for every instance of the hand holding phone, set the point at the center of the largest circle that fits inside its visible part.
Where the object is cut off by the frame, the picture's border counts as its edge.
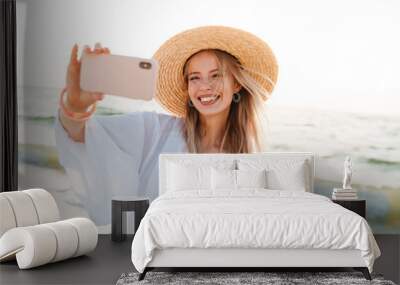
(79, 100)
(119, 75)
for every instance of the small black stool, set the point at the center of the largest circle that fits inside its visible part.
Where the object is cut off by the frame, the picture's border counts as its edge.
(121, 204)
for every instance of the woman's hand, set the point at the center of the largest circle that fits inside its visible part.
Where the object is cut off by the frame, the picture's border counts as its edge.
(79, 100)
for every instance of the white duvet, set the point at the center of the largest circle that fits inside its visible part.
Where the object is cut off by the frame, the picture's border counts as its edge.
(251, 218)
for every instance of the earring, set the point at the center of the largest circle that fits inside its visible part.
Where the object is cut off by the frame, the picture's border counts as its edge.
(236, 97)
(190, 103)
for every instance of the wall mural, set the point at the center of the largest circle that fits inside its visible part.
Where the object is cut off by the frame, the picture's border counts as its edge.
(309, 53)
(372, 141)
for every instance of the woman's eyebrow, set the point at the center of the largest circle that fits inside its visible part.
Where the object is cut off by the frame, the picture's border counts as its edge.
(195, 72)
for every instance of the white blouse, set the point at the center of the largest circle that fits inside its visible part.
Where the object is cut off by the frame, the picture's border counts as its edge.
(119, 157)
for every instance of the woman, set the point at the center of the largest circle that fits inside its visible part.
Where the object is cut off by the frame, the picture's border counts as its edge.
(212, 79)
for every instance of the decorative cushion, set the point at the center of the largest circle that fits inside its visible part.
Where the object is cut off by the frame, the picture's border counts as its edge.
(188, 174)
(228, 179)
(223, 179)
(291, 178)
(251, 178)
(182, 177)
(282, 174)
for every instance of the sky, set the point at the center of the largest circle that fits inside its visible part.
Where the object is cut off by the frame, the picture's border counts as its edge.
(339, 55)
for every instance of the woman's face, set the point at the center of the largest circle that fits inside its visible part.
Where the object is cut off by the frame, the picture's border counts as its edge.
(210, 91)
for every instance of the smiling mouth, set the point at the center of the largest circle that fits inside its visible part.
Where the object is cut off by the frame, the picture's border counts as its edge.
(208, 100)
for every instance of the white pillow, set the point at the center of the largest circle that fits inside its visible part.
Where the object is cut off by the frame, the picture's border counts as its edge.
(251, 178)
(288, 179)
(183, 177)
(223, 179)
(237, 179)
(282, 174)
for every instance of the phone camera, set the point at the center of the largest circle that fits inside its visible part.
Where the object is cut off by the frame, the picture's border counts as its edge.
(145, 65)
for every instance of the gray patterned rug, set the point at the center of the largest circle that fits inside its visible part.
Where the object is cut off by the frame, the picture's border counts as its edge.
(229, 278)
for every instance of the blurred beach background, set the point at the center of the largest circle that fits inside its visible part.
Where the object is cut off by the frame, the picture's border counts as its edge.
(371, 140)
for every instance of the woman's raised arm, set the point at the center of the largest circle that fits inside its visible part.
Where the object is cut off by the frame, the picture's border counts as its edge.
(77, 101)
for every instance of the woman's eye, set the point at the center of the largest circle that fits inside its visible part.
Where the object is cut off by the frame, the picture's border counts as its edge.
(193, 78)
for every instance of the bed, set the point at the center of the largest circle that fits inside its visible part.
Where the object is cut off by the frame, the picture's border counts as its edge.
(247, 211)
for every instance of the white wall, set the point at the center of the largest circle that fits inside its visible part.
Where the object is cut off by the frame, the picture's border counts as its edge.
(339, 55)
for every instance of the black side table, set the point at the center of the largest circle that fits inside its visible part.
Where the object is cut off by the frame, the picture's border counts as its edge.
(357, 206)
(122, 204)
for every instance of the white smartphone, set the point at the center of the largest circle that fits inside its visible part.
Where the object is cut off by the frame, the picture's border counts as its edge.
(119, 75)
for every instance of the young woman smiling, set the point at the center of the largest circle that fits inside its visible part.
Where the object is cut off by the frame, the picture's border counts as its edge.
(212, 80)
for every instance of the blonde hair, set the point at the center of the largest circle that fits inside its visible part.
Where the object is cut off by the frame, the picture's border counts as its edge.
(242, 131)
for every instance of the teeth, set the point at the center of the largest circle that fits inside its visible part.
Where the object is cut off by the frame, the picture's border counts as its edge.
(207, 99)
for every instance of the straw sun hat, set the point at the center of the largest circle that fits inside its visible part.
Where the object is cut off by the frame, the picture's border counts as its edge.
(252, 52)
